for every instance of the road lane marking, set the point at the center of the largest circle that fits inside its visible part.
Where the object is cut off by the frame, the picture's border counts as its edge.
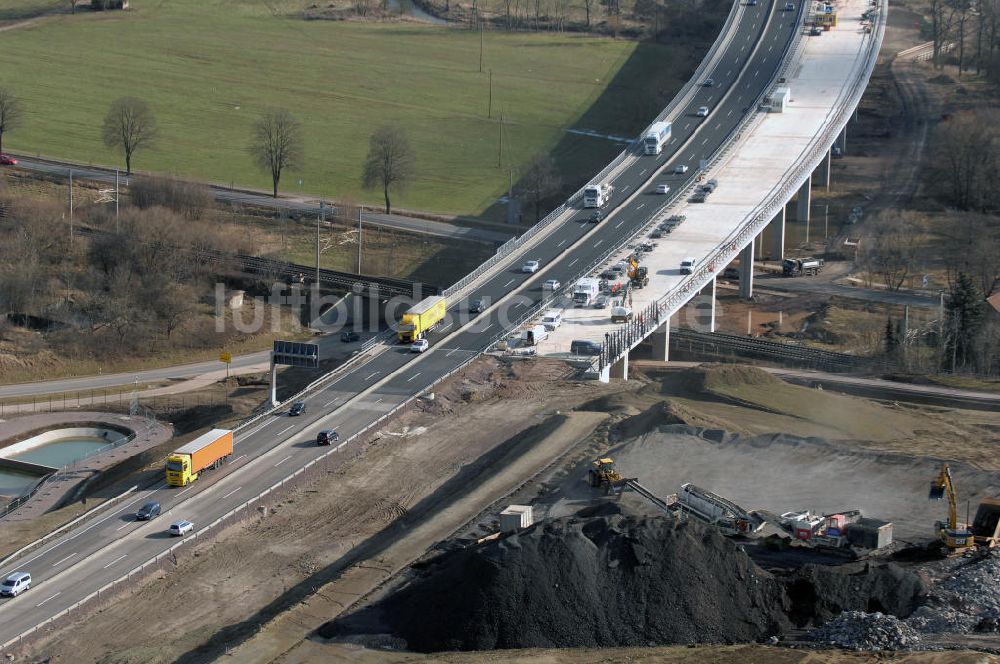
(63, 560)
(412, 377)
(574, 262)
(508, 283)
(626, 188)
(687, 125)
(124, 525)
(286, 429)
(379, 400)
(121, 557)
(242, 456)
(283, 460)
(185, 490)
(729, 72)
(561, 244)
(47, 599)
(487, 327)
(620, 223)
(371, 375)
(599, 242)
(448, 354)
(640, 206)
(704, 141)
(729, 113)
(643, 171)
(231, 493)
(330, 402)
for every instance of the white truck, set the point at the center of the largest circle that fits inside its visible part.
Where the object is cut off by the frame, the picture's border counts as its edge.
(533, 335)
(585, 292)
(597, 195)
(657, 136)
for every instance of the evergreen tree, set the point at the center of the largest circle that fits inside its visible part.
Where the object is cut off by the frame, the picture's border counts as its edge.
(966, 314)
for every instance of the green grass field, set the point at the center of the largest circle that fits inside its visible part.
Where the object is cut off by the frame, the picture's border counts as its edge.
(209, 67)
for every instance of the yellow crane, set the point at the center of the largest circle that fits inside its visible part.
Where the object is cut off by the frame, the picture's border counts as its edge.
(956, 537)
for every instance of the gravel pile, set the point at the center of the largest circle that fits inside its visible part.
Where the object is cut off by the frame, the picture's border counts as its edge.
(600, 581)
(857, 630)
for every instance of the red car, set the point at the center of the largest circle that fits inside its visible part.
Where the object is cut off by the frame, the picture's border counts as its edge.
(7, 160)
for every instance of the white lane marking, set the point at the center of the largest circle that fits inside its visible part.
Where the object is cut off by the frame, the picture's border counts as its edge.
(673, 141)
(620, 223)
(640, 206)
(448, 354)
(57, 564)
(412, 377)
(121, 557)
(242, 456)
(371, 375)
(47, 599)
(719, 126)
(379, 400)
(185, 490)
(286, 429)
(770, 48)
(283, 460)
(333, 401)
(599, 243)
(704, 141)
(508, 283)
(574, 262)
(729, 72)
(231, 493)
(643, 171)
(626, 188)
(560, 244)
(487, 327)
(710, 98)
(729, 113)
(687, 125)
(124, 525)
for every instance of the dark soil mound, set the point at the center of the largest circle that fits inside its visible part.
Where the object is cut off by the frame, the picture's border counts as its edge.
(818, 593)
(603, 581)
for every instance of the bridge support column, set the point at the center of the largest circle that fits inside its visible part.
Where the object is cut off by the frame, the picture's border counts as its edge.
(660, 339)
(804, 201)
(709, 289)
(746, 271)
(841, 141)
(620, 368)
(822, 173)
(778, 235)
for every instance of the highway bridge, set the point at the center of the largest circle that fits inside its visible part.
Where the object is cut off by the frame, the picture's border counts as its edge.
(107, 552)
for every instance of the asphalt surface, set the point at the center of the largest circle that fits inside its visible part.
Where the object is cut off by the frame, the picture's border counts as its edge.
(810, 285)
(302, 206)
(83, 560)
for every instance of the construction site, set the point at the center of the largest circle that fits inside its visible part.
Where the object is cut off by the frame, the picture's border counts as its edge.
(676, 516)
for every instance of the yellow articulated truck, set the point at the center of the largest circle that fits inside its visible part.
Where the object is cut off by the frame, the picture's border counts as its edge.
(207, 451)
(421, 317)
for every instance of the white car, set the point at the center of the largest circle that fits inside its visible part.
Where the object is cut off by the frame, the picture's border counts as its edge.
(530, 267)
(680, 170)
(15, 584)
(663, 188)
(702, 112)
(419, 346)
(551, 284)
(180, 528)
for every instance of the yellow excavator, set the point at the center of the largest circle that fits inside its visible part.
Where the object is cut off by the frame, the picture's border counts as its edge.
(638, 276)
(955, 537)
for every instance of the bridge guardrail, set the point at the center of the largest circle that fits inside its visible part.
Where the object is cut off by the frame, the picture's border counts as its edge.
(627, 336)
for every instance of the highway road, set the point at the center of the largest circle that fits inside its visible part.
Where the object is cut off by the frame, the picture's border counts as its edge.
(78, 563)
(291, 204)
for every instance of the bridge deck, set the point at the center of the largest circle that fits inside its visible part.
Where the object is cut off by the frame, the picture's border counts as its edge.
(826, 69)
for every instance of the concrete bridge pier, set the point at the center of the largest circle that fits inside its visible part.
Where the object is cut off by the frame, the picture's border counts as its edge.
(822, 173)
(660, 339)
(746, 272)
(841, 141)
(619, 369)
(804, 200)
(710, 287)
(777, 227)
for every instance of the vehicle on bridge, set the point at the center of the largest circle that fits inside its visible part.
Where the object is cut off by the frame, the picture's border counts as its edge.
(657, 136)
(620, 313)
(597, 195)
(663, 188)
(203, 453)
(585, 291)
(596, 217)
(534, 334)
(421, 317)
(680, 170)
(796, 267)
(688, 265)
(702, 112)
(419, 346)
(180, 528)
(638, 276)
(530, 267)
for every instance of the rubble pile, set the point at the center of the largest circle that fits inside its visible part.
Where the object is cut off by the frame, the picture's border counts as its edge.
(968, 600)
(857, 630)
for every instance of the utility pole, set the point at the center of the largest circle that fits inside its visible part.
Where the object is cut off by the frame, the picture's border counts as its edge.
(480, 47)
(360, 209)
(71, 205)
(320, 219)
(117, 228)
(489, 110)
(500, 150)
(940, 328)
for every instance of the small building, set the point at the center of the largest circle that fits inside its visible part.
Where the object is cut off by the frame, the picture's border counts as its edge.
(515, 518)
(869, 533)
(780, 100)
(101, 5)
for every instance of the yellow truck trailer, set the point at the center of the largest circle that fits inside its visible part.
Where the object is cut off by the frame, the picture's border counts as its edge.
(206, 451)
(421, 317)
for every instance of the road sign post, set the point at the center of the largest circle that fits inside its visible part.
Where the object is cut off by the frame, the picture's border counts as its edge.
(227, 358)
(291, 354)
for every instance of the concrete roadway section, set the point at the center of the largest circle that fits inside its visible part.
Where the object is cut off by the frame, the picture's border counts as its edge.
(77, 564)
(291, 204)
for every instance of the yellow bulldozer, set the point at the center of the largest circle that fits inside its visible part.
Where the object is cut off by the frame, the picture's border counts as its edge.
(604, 476)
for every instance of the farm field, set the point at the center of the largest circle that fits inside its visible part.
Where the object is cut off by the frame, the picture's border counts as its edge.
(208, 68)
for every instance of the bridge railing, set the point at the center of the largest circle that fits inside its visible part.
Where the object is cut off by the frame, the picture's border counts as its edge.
(643, 323)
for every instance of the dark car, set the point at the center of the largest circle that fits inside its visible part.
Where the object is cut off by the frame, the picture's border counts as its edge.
(297, 408)
(150, 510)
(596, 217)
(348, 337)
(477, 307)
(327, 437)
(657, 234)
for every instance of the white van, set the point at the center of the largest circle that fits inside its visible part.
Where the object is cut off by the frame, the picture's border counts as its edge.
(15, 584)
(687, 265)
(552, 320)
(533, 335)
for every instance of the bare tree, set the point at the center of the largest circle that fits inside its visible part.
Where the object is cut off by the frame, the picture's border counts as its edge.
(72, 6)
(11, 113)
(389, 162)
(965, 170)
(128, 126)
(539, 181)
(588, 6)
(277, 144)
(891, 249)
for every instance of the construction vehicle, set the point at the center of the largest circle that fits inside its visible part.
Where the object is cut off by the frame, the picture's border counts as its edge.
(203, 453)
(604, 476)
(638, 276)
(796, 267)
(421, 317)
(986, 525)
(955, 537)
